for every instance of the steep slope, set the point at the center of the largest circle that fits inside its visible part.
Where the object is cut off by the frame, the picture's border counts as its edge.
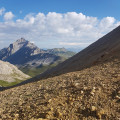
(100, 51)
(90, 94)
(10, 73)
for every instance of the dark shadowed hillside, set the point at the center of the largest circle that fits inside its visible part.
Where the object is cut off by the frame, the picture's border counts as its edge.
(100, 51)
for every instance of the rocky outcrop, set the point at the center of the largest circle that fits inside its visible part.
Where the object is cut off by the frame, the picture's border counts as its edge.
(24, 53)
(10, 73)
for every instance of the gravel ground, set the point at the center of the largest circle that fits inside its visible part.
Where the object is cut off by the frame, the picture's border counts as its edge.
(90, 94)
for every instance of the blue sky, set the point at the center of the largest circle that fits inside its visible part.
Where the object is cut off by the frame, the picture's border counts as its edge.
(57, 23)
(98, 8)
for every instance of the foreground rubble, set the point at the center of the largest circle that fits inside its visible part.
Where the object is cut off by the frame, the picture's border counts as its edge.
(90, 94)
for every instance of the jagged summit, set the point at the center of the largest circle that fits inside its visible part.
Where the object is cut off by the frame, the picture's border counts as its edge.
(14, 47)
(20, 43)
(21, 40)
(24, 53)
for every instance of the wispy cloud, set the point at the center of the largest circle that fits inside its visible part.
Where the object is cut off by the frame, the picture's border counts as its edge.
(2, 10)
(70, 28)
(73, 43)
(8, 16)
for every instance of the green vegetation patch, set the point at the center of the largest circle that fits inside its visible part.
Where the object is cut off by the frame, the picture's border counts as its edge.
(36, 71)
(6, 84)
(42, 68)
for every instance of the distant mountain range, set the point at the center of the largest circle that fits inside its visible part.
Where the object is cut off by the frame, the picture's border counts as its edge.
(25, 55)
(75, 49)
(62, 52)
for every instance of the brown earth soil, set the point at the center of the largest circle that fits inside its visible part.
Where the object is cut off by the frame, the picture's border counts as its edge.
(90, 94)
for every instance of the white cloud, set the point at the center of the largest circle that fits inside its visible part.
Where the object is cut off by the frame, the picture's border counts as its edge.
(73, 43)
(69, 29)
(8, 16)
(108, 21)
(2, 10)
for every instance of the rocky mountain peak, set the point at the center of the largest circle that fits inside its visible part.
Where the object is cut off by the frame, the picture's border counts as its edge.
(24, 43)
(19, 45)
(14, 47)
(24, 53)
(21, 40)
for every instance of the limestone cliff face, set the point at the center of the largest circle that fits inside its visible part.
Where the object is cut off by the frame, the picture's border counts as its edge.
(10, 73)
(24, 53)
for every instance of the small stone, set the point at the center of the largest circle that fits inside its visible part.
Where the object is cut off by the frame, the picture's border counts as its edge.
(85, 88)
(93, 108)
(118, 97)
(81, 92)
(94, 88)
(118, 92)
(16, 115)
(49, 100)
(76, 84)
(92, 92)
